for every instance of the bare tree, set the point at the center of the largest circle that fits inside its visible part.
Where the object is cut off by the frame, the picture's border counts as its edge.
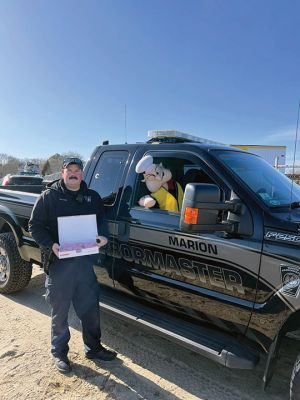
(8, 164)
(54, 163)
(11, 165)
(3, 162)
(72, 154)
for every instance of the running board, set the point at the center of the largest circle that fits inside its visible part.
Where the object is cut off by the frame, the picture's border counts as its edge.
(212, 344)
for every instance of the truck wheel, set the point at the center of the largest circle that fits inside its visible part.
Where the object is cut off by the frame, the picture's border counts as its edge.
(15, 273)
(295, 381)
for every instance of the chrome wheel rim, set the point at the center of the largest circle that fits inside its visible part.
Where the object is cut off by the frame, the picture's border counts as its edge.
(4, 267)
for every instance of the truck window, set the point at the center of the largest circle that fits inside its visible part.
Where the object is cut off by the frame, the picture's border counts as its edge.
(195, 174)
(183, 171)
(108, 173)
(270, 185)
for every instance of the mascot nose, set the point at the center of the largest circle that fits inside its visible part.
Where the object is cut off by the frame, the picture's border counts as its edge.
(149, 177)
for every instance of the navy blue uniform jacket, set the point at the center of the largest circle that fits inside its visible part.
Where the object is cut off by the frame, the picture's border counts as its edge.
(57, 201)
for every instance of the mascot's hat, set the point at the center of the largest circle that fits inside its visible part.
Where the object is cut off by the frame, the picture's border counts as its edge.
(144, 164)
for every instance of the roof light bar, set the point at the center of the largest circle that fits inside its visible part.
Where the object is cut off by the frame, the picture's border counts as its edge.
(161, 134)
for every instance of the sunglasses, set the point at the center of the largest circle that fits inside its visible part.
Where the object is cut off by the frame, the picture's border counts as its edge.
(72, 160)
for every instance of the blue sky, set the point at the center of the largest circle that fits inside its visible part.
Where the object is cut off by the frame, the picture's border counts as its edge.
(227, 70)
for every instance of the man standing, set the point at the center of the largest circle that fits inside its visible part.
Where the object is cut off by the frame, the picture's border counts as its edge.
(70, 279)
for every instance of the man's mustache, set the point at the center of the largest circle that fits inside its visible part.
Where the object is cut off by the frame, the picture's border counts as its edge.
(73, 177)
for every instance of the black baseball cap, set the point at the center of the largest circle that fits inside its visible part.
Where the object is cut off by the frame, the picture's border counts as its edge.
(72, 160)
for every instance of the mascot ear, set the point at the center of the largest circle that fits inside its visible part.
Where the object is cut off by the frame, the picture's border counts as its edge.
(144, 164)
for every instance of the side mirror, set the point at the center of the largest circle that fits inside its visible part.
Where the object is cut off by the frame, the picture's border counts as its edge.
(202, 211)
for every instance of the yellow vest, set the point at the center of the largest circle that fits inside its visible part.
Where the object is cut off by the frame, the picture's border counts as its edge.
(167, 201)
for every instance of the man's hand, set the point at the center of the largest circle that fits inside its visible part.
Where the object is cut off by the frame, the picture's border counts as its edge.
(55, 248)
(101, 241)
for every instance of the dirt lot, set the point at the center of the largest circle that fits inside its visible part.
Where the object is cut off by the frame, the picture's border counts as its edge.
(148, 367)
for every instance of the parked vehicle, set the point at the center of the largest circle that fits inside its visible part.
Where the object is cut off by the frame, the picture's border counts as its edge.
(221, 277)
(22, 180)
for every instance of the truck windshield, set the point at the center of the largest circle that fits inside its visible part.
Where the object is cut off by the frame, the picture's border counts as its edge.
(272, 186)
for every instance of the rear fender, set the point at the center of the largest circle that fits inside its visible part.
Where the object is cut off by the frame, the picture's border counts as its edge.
(8, 218)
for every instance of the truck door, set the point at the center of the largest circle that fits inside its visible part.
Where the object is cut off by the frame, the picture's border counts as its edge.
(106, 177)
(210, 277)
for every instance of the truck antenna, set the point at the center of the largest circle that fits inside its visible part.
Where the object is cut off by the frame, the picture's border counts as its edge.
(125, 125)
(294, 158)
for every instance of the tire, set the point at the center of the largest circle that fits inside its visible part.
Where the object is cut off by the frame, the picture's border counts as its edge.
(15, 273)
(295, 381)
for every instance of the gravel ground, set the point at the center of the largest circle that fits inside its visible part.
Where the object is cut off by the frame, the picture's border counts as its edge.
(148, 367)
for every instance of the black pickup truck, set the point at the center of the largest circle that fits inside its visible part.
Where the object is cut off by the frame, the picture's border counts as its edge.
(224, 283)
